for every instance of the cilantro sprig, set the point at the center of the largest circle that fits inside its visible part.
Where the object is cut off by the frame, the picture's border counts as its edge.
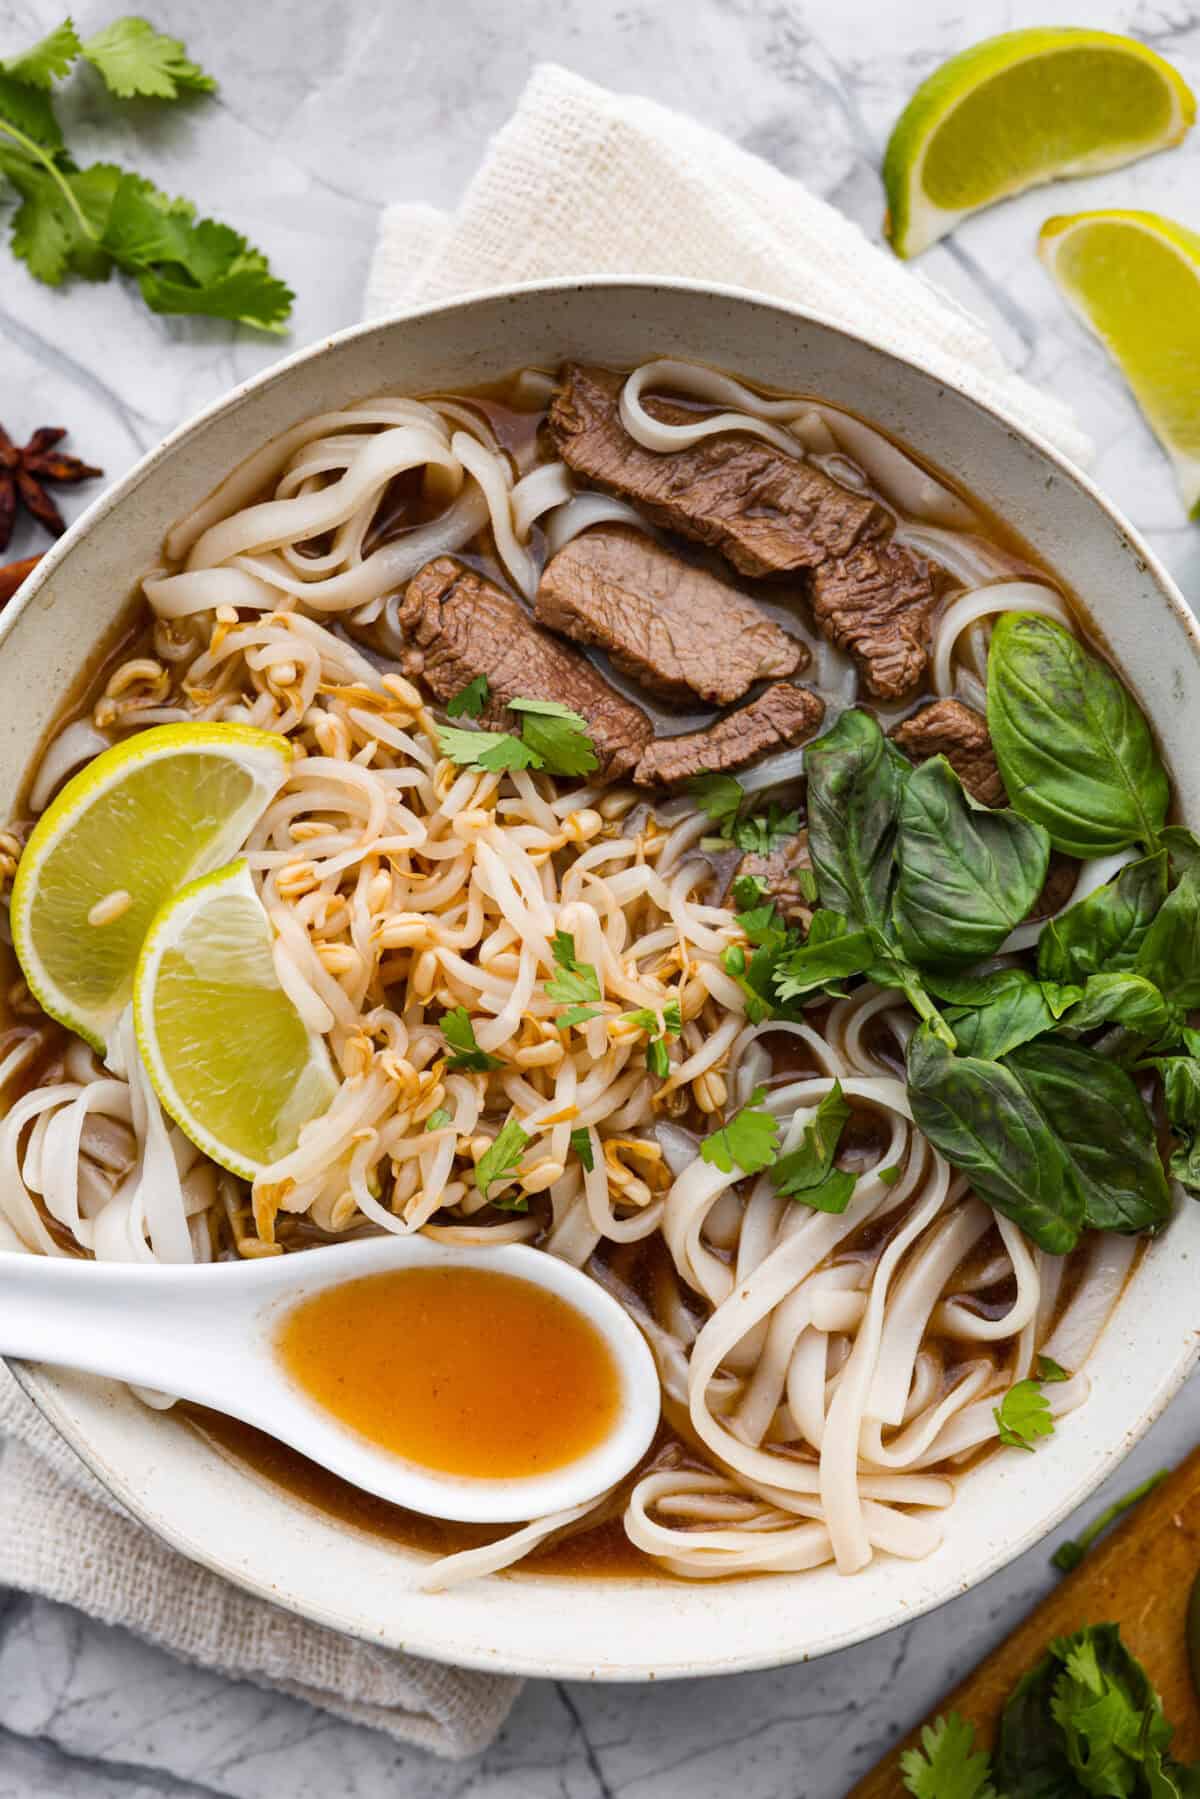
(552, 737)
(645, 1018)
(749, 1140)
(807, 1173)
(948, 1765)
(470, 700)
(88, 221)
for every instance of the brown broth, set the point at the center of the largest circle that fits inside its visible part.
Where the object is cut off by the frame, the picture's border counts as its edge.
(461, 1370)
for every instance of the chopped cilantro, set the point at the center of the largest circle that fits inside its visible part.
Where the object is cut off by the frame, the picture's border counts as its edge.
(459, 1033)
(437, 1121)
(948, 1765)
(552, 737)
(1049, 1371)
(657, 1059)
(763, 832)
(556, 736)
(749, 1141)
(807, 1173)
(748, 891)
(470, 700)
(581, 1143)
(890, 1175)
(720, 796)
(500, 1159)
(577, 986)
(723, 799)
(1023, 1415)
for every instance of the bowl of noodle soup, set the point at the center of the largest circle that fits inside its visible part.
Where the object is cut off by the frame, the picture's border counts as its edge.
(333, 553)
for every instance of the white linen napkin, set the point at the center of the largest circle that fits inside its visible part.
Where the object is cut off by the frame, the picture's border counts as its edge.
(62, 1535)
(579, 181)
(584, 182)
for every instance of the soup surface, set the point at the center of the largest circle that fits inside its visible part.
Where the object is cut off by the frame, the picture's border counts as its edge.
(460, 1370)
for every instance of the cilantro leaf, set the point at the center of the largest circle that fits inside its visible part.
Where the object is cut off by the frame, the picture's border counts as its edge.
(645, 1018)
(500, 1159)
(493, 750)
(749, 1141)
(134, 59)
(50, 57)
(1023, 1415)
(459, 1033)
(26, 115)
(556, 736)
(581, 1143)
(720, 796)
(576, 1015)
(1049, 1371)
(748, 891)
(948, 1765)
(437, 1121)
(470, 700)
(890, 1175)
(807, 1172)
(578, 984)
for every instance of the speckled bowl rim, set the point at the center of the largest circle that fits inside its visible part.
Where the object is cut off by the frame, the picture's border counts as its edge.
(53, 1391)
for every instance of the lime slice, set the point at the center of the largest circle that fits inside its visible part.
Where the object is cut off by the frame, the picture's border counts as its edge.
(1019, 110)
(124, 834)
(1135, 279)
(228, 1053)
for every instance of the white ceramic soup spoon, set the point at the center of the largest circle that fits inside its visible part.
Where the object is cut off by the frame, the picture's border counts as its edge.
(208, 1334)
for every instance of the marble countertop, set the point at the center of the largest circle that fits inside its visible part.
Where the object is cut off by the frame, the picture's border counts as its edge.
(325, 114)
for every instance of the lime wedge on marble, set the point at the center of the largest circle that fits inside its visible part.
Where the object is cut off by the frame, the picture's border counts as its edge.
(1019, 110)
(1134, 277)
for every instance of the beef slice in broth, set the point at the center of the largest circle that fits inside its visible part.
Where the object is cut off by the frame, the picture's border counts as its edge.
(960, 734)
(783, 715)
(459, 625)
(669, 624)
(769, 513)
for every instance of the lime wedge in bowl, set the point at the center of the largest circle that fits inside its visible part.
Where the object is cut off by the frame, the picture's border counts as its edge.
(1134, 277)
(1019, 110)
(124, 834)
(229, 1055)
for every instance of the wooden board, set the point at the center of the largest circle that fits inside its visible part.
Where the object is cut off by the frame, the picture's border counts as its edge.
(1139, 1577)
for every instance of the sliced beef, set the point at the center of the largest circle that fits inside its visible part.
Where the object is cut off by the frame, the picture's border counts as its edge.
(672, 626)
(769, 513)
(1061, 877)
(876, 603)
(461, 625)
(950, 729)
(784, 714)
(778, 872)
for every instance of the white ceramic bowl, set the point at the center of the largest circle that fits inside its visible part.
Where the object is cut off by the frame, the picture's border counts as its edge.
(224, 1516)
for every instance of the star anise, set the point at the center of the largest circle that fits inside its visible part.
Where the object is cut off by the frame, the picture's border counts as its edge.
(25, 473)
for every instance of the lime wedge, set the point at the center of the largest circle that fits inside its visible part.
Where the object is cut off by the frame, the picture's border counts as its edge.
(1134, 277)
(1019, 110)
(228, 1053)
(124, 834)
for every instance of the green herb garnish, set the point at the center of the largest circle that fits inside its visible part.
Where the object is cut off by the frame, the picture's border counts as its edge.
(581, 1143)
(807, 1173)
(552, 737)
(1023, 1415)
(577, 985)
(501, 1158)
(459, 1033)
(437, 1121)
(948, 1765)
(470, 700)
(1068, 1555)
(749, 1141)
(87, 221)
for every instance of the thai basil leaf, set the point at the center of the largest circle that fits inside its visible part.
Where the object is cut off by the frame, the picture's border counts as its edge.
(982, 1119)
(1181, 1096)
(855, 779)
(1105, 931)
(1097, 1118)
(1170, 951)
(1184, 848)
(1073, 746)
(1125, 999)
(973, 989)
(968, 875)
(854, 785)
(1013, 1010)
